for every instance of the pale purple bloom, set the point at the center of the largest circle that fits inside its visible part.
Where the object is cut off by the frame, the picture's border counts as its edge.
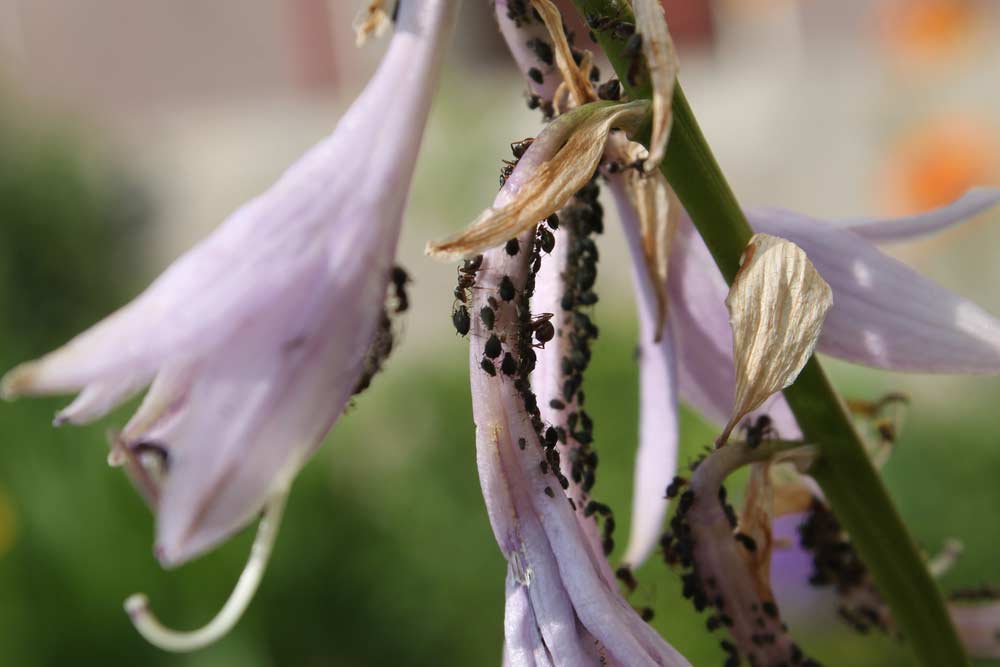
(884, 315)
(253, 341)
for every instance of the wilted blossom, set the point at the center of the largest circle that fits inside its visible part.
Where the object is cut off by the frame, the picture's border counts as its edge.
(253, 342)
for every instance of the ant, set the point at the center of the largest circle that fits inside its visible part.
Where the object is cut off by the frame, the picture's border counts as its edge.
(399, 281)
(467, 277)
(759, 430)
(519, 148)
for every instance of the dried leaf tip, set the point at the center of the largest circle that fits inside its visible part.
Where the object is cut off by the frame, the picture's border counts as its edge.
(371, 20)
(661, 60)
(561, 160)
(776, 304)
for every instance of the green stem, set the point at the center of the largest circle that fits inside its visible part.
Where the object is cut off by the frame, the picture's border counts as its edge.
(844, 471)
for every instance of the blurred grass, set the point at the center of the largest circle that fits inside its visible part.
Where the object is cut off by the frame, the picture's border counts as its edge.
(386, 555)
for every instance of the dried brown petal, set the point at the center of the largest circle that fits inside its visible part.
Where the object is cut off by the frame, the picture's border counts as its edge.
(372, 20)
(658, 210)
(575, 78)
(661, 59)
(559, 162)
(755, 521)
(777, 304)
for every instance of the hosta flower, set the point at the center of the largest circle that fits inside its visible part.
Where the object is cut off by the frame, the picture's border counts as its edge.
(884, 315)
(253, 341)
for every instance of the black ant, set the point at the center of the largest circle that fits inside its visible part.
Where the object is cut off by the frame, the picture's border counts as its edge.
(467, 277)
(759, 430)
(399, 281)
(518, 148)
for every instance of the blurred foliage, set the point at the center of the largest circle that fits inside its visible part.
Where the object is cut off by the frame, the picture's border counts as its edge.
(386, 555)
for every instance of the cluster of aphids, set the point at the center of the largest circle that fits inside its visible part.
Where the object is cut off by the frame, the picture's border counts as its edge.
(622, 30)
(583, 217)
(837, 564)
(704, 592)
(514, 355)
(522, 13)
(983, 593)
(519, 13)
(397, 303)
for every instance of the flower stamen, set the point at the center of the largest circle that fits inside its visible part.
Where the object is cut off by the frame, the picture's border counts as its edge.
(157, 634)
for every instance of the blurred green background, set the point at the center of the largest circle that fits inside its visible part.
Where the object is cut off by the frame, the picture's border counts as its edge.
(385, 555)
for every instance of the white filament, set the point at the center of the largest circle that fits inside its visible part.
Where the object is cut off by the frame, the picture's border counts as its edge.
(145, 621)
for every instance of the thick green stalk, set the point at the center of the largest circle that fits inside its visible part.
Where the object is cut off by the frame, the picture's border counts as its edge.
(844, 471)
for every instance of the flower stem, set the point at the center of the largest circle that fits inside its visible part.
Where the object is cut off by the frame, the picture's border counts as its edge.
(844, 471)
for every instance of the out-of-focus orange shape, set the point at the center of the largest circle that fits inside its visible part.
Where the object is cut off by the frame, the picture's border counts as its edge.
(939, 161)
(925, 28)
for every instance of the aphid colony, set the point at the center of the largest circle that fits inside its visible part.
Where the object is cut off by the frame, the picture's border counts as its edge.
(837, 564)
(508, 351)
(397, 303)
(521, 14)
(751, 618)
(620, 29)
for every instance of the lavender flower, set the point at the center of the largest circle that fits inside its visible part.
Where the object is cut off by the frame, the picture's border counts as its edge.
(253, 342)
(884, 315)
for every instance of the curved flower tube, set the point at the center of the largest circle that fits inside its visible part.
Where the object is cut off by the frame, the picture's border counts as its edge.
(255, 339)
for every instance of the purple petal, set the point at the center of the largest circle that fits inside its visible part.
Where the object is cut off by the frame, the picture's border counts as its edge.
(99, 398)
(978, 627)
(523, 643)
(884, 314)
(962, 210)
(656, 456)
